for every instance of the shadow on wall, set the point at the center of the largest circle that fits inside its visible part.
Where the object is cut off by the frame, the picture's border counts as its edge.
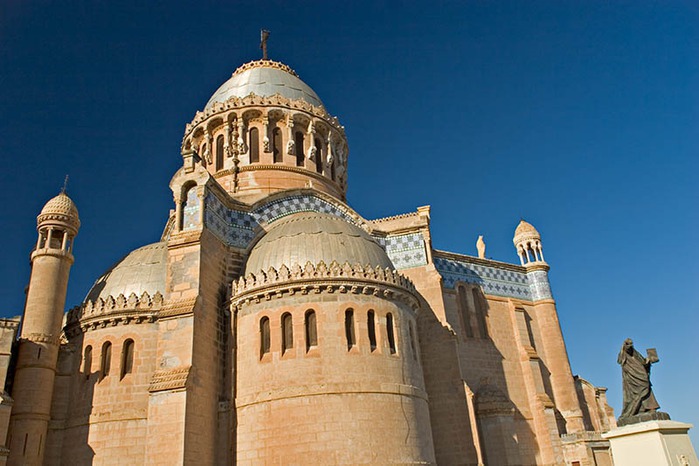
(80, 388)
(459, 358)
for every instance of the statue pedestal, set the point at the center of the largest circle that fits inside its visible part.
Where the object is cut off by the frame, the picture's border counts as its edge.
(652, 443)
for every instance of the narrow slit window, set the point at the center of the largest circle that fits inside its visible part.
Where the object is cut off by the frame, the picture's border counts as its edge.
(277, 149)
(254, 145)
(287, 333)
(219, 152)
(371, 326)
(390, 333)
(298, 143)
(349, 329)
(311, 330)
(106, 363)
(264, 336)
(87, 361)
(127, 358)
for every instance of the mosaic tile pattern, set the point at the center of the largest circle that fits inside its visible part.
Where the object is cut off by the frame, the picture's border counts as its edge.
(190, 213)
(237, 228)
(230, 226)
(289, 205)
(539, 284)
(405, 251)
(493, 280)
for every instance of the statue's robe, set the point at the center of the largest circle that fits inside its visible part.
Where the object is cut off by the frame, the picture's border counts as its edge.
(638, 395)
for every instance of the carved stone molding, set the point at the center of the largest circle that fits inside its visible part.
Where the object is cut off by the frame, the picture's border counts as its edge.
(112, 312)
(201, 118)
(177, 308)
(321, 278)
(169, 379)
(43, 338)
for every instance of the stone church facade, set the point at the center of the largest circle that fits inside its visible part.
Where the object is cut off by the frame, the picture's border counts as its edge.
(273, 324)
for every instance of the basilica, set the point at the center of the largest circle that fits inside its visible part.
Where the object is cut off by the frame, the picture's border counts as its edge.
(271, 323)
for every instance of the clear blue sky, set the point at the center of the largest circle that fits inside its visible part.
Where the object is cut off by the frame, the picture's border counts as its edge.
(582, 117)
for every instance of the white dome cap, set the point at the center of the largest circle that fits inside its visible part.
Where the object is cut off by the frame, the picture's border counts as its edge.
(265, 78)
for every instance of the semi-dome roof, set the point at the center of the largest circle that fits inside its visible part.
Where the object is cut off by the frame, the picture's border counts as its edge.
(265, 78)
(143, 269)
(314, 237)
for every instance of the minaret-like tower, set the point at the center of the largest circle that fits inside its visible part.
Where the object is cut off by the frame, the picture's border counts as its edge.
(527, 240)
(57, 224)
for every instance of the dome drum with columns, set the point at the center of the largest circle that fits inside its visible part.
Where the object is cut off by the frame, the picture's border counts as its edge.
(265, 130)
(272, 323)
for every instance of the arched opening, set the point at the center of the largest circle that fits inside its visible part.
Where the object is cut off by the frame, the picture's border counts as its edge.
(298, 145)
(332, 171)
(190, 210)
(287, 333)
(254, 144)
(87, 361)
(390, 333)
(349, 329)
(106, 361)
(219, 152)
(311, 329)
(127, 358)
(264, 336)
(277, 147)
(319, 156)
(371, 326)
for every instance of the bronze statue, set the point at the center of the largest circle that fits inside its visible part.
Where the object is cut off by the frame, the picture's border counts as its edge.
(639, 402)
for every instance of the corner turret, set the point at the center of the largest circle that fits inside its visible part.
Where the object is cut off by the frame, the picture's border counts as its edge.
(527, 240)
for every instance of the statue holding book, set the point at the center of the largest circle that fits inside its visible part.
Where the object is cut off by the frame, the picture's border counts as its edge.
(639, 402)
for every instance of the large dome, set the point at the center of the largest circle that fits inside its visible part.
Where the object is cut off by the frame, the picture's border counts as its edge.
(265, 78)
(314, 237)
(143, 269)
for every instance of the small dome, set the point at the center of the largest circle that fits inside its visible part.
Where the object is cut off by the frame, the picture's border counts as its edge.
(61, 208)
(525, 231)
(265, 78)
(143, 269)
(314, 237)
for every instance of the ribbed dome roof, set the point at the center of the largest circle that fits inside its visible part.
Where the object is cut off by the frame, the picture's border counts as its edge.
(525, 230)
(314, 237)
(143, 269)
(60, 206)
(265, 78)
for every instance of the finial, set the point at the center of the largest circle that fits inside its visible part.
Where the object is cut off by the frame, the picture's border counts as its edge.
(65, 185)
(264, 35)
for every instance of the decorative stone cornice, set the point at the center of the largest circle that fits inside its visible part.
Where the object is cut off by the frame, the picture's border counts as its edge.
(60, 253)
(322, 278)
(113, 311)
(265, 64)
(43, 338)
(479, 261)
(177, 308)
(169, 379)
(11, 323)
(254, 100)
(396, 217)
